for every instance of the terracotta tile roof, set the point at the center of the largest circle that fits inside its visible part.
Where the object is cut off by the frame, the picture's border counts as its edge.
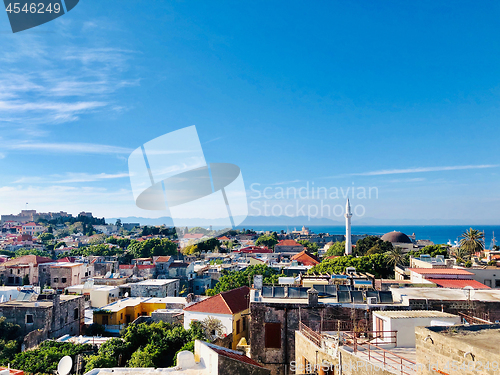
(458, 283)
(163, 259)
(223, 238)
(254, 250)
(288, 243)
(229, 303)
(233, 354)
(27, 259)
(126, 266)
(145, 266)
(440, 271)
(306, 258)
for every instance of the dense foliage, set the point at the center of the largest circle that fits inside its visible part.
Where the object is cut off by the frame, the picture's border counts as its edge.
(376, 264)
(152, 247)
(44, 358)
(237, 279)
(9, 341)
(337, 249)
(143, 345)
(371, 245)
(312, 247)
(98, 250)
(268, 240)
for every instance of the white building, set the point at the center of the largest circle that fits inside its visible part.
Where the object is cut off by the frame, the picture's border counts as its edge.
(404, 322)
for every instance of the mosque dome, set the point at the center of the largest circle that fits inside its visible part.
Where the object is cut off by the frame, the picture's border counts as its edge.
(396, 237)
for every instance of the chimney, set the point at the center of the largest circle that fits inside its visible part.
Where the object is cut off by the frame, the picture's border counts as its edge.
(312, 295)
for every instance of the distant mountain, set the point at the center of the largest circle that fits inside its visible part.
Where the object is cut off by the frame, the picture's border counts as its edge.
(298, 221)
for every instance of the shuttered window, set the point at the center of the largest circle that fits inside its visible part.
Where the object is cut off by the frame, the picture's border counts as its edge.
(273, 335)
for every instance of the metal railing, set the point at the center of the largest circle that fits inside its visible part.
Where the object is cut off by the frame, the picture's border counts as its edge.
(313, 336)
(369, 345)
(473, 320)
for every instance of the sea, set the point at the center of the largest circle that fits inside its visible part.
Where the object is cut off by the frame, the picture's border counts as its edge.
(439, 234)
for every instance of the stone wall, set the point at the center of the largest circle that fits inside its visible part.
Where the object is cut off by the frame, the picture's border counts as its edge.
(443, 349)
(278, 360)
(231, 366)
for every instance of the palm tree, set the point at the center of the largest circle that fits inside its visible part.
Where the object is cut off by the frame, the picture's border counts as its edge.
(472, 241)
(460, 254)
(395, 256)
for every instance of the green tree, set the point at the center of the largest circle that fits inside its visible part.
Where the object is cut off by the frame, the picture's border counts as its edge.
(46, 237)
(268, 240)
(237, 279)
(472, 241)
(395, 257)
(376, 264)
(336, 249)
(371, 245)
(152, 247)
(46, 356)
(312, 247)
(118, 223)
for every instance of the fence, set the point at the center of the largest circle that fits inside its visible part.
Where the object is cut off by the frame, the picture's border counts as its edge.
(368, 343)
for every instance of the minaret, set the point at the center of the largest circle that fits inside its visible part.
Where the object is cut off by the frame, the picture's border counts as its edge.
(348, 215)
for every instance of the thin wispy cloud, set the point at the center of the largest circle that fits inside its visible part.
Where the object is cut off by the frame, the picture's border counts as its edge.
(424, 170)
(59, 84)
(71, 178)
(67, 148)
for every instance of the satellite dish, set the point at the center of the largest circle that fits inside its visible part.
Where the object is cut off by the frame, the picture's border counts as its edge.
(469, 292)
(126, 295)
(65, 365)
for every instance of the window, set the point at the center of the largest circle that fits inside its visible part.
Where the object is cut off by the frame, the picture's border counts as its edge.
(497, 283)
(63, 280)
(76, 314)
(197, 287)
(487, 283)
(56, 279)
(104, 320)
(272, 335)
(11, 271)
(244, 321)
(29, 318)
(379, 324)
(121, 316)
(238, 326)
(18, 272)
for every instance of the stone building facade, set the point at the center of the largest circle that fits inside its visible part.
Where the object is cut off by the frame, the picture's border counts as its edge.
(50, 315)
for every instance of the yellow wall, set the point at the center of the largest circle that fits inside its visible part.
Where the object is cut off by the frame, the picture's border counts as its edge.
(120, 316)
(243, 333)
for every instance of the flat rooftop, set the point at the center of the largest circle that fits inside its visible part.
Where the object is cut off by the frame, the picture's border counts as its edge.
(134, 301)
(485, 337)
(445, 294)
(41, 303)
(414, 314)
(155, 282)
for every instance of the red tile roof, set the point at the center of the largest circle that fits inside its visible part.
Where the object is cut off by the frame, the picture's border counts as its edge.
(233, 354)
(288, 243)
(229, 303)
(458, 284)
(223, 238)
(307, 259)
(163, 259)
(440, 271)
(254, 250)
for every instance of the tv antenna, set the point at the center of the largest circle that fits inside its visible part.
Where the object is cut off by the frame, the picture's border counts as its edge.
(65, 365)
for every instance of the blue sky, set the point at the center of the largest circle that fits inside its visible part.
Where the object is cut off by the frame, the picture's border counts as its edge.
(399, 96)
